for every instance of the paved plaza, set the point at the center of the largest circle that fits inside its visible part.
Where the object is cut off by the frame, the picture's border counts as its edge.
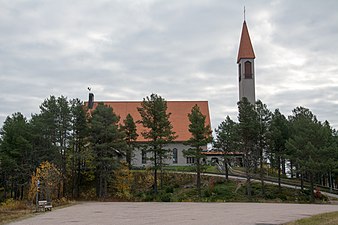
(144, 213)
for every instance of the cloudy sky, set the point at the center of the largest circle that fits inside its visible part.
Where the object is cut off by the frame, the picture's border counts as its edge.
(179, 49)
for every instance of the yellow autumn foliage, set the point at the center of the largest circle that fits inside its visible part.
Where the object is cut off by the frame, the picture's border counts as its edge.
(50, 180)
(143, 180)
(123, 180)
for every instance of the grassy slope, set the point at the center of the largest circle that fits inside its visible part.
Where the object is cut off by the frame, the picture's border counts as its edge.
(181, 187)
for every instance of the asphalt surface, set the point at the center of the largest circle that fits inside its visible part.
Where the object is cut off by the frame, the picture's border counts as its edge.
(144, 213)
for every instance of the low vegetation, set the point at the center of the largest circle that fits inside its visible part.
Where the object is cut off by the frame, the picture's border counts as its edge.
(176, 187)
(12, 209)
(181, 188)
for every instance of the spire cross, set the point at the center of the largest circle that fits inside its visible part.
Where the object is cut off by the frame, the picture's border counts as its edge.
(244, 13)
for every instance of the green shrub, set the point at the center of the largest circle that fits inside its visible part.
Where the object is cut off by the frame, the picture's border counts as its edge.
(165, 197)
(207, 193)
(149, 197)
(169, 189)
(282, 197)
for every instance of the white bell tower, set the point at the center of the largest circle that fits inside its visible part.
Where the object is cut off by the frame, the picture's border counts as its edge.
(246, 67)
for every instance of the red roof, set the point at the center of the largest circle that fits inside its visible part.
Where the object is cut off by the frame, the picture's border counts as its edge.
(179, 115)
(245, 47)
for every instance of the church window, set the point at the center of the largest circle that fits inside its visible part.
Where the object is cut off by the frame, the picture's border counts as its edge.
(190, 160)
(239, 72)
(175, 158)
(248, 70)
(144, 157)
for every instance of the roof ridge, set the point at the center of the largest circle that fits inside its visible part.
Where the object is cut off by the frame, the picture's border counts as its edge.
(137, 101)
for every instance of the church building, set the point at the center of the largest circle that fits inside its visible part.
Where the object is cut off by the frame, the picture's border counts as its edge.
(180, 109)
(179, 119)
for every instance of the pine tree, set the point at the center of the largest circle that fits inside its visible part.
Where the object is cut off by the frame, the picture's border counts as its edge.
(227, 141)
(107, 142)
(278, 135)
(248, 130)
(55, 118)
(158, 131)
(201, 136)
(129, 128)
(264, 119)
(308, 143)
(78, 140)
(16, 159)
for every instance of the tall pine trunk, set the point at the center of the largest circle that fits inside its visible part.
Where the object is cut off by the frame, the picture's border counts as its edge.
(198, 178)
(155, 173)
(261, 173)
(312, 187)
(301, 181)
(247, 173)
(226, 168)
(279, 174)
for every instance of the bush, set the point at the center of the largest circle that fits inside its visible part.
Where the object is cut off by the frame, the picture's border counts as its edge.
(149, 197)
(88, 194)
(165, 197)
(207, 193)
(169, 189)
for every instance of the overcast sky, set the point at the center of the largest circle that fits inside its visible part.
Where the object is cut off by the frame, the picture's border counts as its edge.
(179, 49)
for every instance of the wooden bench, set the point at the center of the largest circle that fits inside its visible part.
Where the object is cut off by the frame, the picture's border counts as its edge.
(44, 205)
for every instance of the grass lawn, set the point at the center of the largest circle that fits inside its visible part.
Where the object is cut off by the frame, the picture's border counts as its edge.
(12, 210)
(12, 215)
(321, 219)
(191, 168)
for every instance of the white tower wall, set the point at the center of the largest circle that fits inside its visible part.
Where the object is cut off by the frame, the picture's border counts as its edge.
(246, 82)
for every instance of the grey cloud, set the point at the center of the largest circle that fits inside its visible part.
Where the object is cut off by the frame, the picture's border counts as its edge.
(182, 50)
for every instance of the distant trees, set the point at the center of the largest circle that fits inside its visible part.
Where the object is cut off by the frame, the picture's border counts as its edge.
(86, 147)
(309, 144)
(15, 155)
(158, 131)
(57, 134)
(305, 145)
(201, 136)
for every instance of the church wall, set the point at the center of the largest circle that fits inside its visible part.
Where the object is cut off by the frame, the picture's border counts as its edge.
(181, 160)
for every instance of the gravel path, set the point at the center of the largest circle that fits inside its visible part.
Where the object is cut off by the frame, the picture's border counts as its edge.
(144, 213)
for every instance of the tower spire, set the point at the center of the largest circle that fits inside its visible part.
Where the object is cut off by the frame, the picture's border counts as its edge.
(245, 47)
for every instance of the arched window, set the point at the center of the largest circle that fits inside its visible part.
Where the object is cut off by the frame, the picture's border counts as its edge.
(248, 70)
(239, 72)
(144, 157)
(175, 156)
